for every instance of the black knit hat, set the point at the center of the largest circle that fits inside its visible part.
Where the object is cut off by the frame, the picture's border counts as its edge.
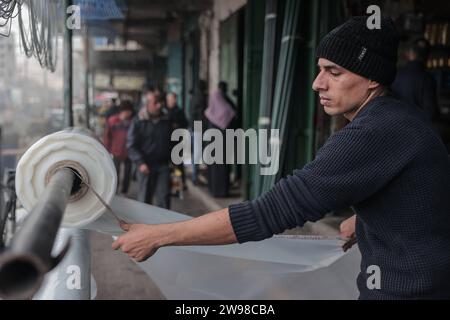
(369, 53)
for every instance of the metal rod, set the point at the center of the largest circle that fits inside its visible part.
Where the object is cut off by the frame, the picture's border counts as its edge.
(25, 263)
(86, 76)
(68, 89)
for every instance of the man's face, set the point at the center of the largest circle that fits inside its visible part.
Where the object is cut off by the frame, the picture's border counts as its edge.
(171, 101)
(153, 106)
(125, 115)
(341, 92)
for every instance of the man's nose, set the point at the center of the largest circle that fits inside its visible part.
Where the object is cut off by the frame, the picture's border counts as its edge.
(319, 83)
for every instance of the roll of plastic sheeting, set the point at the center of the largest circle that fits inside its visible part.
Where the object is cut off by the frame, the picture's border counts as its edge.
(277, 268)
(76, 149)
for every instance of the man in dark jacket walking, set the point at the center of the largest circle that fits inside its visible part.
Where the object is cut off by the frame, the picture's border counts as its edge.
(178, 120)
(388, 164)
(148, 143)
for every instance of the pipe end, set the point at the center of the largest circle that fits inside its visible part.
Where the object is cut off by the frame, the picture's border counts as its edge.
(21, 276)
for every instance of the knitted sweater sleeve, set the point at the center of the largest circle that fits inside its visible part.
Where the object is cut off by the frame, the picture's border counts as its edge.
(354, 164)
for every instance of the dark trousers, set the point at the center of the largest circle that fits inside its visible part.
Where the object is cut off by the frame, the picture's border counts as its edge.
(155, 185)
(219, 180)
(219, 174)
(183, 173)
(126, 174)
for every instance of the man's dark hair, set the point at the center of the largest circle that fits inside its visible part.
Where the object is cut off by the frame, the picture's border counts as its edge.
(172, 94)
(421, 48)
(126, 105)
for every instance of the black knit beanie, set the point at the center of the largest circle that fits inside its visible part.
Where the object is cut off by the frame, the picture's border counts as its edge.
(369, 53)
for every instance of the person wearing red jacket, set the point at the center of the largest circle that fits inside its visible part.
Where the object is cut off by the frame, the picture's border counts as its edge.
(115, 140)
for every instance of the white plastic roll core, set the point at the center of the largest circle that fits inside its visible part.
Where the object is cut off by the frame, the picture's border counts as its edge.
(76, 149)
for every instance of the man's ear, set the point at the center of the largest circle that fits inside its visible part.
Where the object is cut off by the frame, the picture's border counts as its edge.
(373, 85)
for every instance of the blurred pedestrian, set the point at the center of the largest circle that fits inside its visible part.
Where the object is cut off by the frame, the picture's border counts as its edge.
(149, 147)
(115, 140)
(198, 105)
(220, 115)
(178, 120)
(113, 110)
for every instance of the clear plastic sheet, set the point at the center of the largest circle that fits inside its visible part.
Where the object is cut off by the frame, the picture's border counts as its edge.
(277, 268)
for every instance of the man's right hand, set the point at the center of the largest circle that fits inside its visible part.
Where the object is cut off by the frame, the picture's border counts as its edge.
(348, 227)
(144, 169)
(348, 231)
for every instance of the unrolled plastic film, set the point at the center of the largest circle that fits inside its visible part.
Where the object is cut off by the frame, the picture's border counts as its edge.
(277, 268)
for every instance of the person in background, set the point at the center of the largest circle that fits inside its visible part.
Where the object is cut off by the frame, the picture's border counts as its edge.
(198, 105)
(113, 110)
(178, 120)
(149, 147)
(115, 140)
(414, 84)
(174, 112)
(220, 115)
(101, 112)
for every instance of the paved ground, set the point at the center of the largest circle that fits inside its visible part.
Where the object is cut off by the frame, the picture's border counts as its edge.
(117, 277)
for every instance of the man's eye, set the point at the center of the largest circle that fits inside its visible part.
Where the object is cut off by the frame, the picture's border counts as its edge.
(335, 74)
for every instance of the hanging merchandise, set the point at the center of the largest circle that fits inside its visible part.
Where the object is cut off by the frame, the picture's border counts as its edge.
(284, 267)
(8, 11)
(40, 24)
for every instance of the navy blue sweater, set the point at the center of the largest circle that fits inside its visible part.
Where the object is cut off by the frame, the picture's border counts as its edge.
(392, 168)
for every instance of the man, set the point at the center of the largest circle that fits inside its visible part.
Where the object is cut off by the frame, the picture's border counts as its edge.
(198, 105)
(175, 113)
(149, 140)
(115, 140)
(178, 120)
(387, 164)
(414, 84)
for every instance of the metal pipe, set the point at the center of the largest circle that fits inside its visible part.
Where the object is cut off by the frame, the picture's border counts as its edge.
(25, 263)
(71, 279)
(68, 68)
(86, 76)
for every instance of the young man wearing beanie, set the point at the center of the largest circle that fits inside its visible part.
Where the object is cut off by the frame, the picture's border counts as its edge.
(387, 164)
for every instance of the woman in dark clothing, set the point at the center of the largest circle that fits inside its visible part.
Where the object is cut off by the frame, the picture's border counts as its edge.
(198, 105)
(220, 115)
